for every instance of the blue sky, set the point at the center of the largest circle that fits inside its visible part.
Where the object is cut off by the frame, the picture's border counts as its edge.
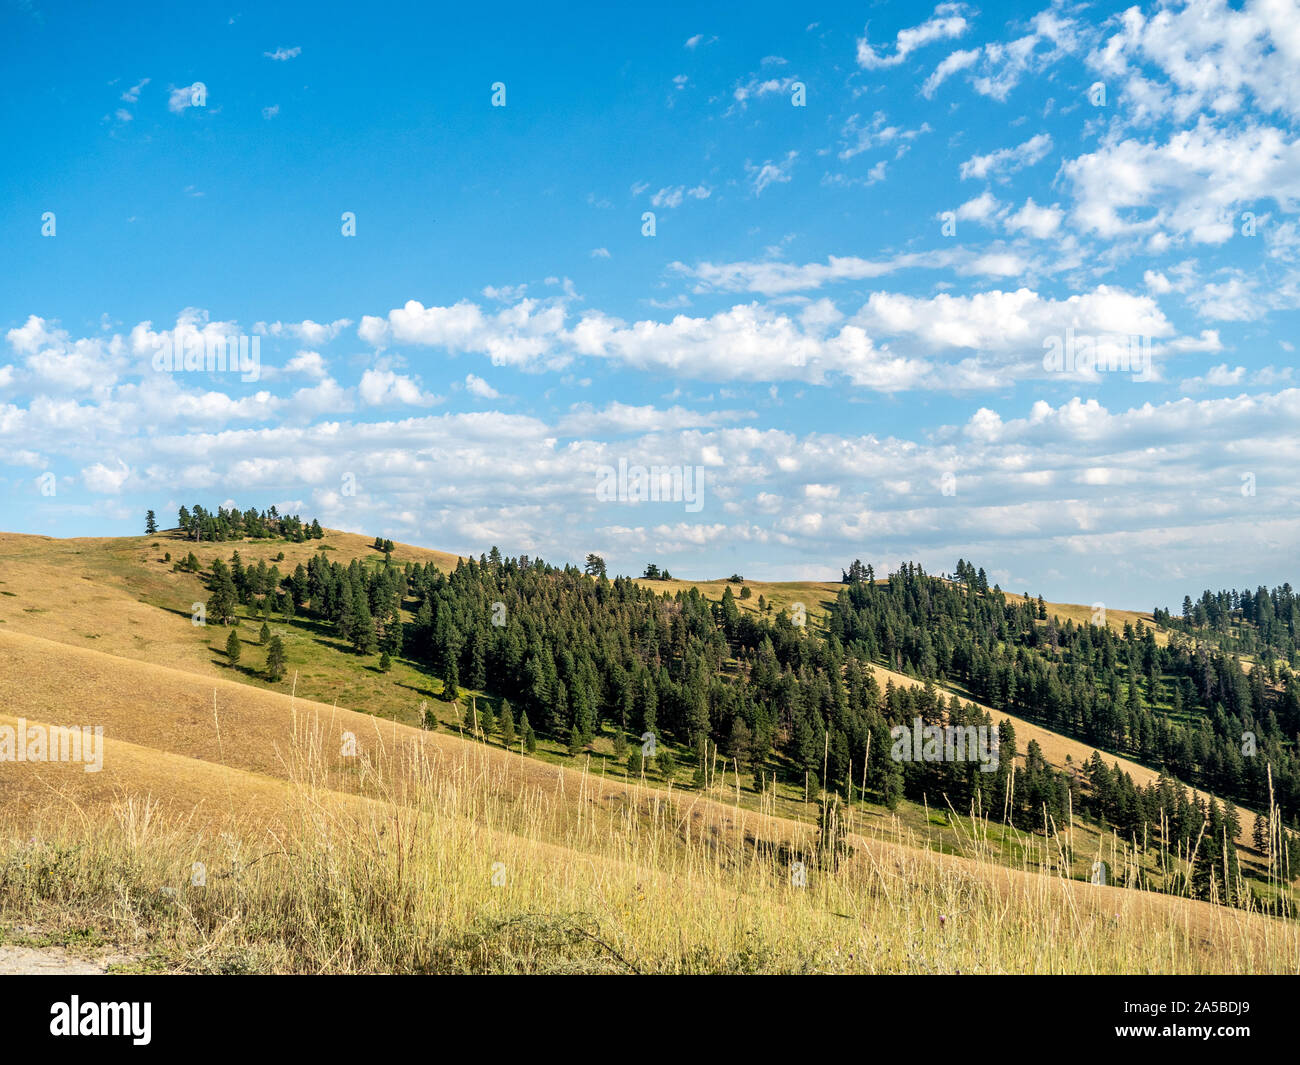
(871, 224)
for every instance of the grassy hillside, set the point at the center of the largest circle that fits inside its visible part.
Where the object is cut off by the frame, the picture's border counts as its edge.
(387, 857)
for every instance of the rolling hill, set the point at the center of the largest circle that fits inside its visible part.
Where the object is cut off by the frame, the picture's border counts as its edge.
(202, 759)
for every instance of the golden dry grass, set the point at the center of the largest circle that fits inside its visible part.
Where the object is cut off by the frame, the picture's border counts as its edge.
(667, 883)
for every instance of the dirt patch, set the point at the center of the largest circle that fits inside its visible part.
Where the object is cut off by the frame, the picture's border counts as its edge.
(49, 961)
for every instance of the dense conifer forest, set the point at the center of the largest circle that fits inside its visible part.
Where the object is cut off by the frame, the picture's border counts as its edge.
(572, 654)
(235, 524)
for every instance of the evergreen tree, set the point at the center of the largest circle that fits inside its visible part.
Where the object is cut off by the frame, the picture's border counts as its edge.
(233, 647)
(150, 524)
(362, 628)
(666, 763)
(275, 659)
(224, 598)
(506, 725)
(486, 722)
(1259, 834)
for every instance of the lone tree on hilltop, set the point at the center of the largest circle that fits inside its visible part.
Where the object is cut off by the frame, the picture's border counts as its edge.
(150, 524)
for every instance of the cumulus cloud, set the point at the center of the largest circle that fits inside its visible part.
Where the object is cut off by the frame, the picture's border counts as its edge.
(383, 388)
(307, 363)
(621, 418)
(946, 23)
(1053, 481)
(1195, 185)
(309, 332)
(476, 386)
(1183, 59)
(107, 480)
(953, 64)
(1039, 222)
(1007, 160)
(519, 334)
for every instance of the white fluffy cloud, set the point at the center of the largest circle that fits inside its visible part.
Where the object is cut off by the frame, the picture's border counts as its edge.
(107, 480)
(996, 68)
(1007, 160)
(946, 23)
(1185, 58)
(476, 386)
(307, 363)
(519, 334)
(1196, 185)
(379, 388)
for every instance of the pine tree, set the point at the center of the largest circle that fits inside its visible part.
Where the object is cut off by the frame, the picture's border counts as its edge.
(666, 763)
(150, 524)
(275, 660)
(529, 737)
(385, 663)
(233, 647)
(363, 626)
(264, 636)
(224, 598)
(478, 662)
(506, 724)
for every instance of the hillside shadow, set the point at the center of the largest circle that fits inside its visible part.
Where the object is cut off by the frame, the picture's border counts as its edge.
(246, 672)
